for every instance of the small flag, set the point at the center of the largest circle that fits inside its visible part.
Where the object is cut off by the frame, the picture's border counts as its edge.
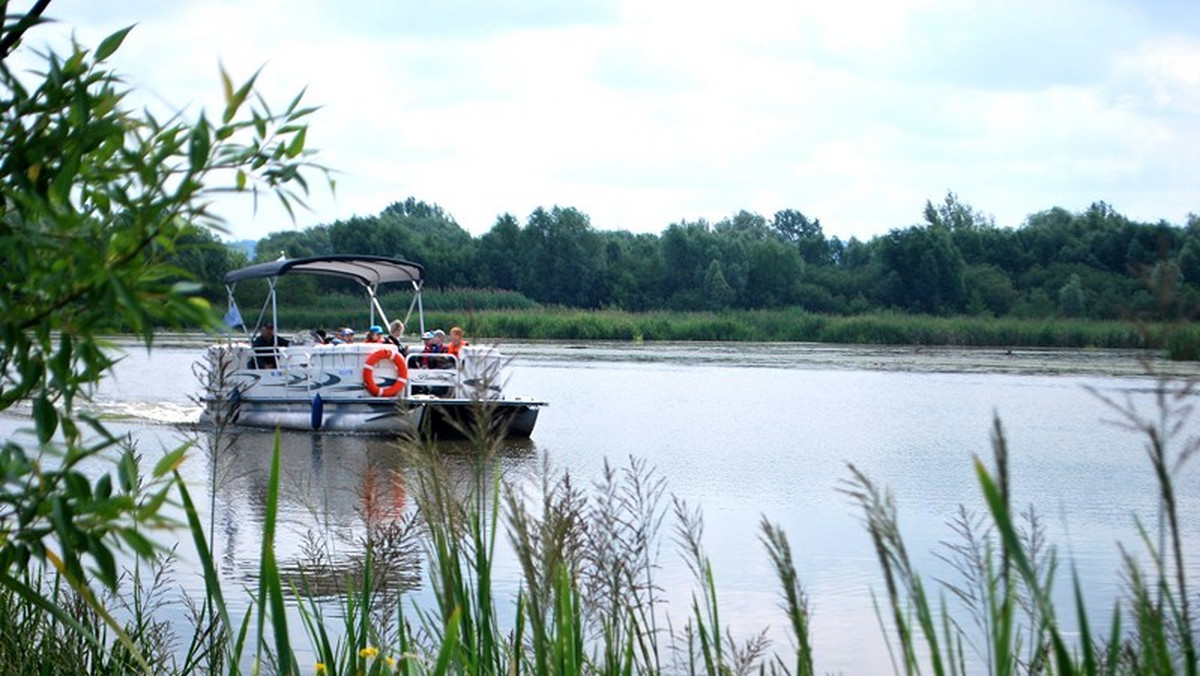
(233, 317)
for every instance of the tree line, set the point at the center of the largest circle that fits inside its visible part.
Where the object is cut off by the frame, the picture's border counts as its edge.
(1092, 264)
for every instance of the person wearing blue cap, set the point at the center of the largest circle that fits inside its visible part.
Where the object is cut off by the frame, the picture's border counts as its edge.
(375, 334)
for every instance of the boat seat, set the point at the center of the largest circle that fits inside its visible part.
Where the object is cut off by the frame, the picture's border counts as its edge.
(439, 382)
(294, 357)
(345, 356)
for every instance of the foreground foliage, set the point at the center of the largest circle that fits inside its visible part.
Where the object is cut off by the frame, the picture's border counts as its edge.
(94, 199)
(589, 600)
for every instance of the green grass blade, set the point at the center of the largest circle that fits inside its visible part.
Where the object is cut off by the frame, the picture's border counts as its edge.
(449, 644)
(212, 584)
(270, 593)
(1008, 532)
(1085, 634)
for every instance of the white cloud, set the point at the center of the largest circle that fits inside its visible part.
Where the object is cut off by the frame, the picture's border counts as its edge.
(642, 113)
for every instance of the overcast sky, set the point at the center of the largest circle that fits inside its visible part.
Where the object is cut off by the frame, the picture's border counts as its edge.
(642, 113)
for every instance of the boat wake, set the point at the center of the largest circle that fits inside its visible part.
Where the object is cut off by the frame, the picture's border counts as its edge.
(163, 413)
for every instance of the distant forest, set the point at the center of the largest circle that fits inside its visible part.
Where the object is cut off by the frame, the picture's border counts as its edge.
(1096, 264)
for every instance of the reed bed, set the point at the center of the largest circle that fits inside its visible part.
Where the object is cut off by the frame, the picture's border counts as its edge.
(589, 603)
(799, 326)
(491, 314)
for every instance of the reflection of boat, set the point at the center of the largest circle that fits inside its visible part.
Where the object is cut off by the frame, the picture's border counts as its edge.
(336, 492)
(360, 387)
(340, 478)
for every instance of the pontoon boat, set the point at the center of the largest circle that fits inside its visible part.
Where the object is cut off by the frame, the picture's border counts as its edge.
(355, 387)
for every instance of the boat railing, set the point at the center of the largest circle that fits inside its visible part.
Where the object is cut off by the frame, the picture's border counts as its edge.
(436, 374)
(475, 373)
(342, 355)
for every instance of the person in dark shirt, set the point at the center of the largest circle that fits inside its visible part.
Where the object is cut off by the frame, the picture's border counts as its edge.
(395, 331)
(264, 345)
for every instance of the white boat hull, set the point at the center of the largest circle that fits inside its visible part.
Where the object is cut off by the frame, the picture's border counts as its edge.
(321, 388)
(371, 417)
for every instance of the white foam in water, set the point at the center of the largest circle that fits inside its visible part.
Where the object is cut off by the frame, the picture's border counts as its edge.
(164, 413)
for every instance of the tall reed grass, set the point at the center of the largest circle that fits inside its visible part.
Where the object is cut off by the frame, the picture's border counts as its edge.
(799, 326)
(505, 315)
(589, 600)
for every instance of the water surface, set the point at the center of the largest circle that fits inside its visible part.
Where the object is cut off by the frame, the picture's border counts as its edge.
(743, 431)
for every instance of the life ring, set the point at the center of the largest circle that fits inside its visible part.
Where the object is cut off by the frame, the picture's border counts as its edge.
(369, 373)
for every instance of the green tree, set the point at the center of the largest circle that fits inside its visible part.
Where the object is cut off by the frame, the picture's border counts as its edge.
(427, 234)
(989, 289)
(565, 265)
(1070, 297)
(500, 254)
(955, 215)
(1048, 235)
(718, 295)
(98, 202)
(745, 224)
(974, 234)
(201, 255)
(795, 227)
(926, 270)
(634, 269)
(1189, 262)
(774, 273)
(413, 230)
(293, 244)
(687, 250)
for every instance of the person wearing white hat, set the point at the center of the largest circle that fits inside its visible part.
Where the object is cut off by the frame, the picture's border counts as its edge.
(431, 347)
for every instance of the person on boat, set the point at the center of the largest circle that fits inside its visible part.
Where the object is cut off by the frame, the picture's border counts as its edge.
(346, 335)
(456, 341)
(431, 344)
(431, 347)
(395, 332)
(374, 334)
(265, 344)
(322, 337)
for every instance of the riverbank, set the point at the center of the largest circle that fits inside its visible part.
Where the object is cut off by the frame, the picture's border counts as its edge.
(799, 326)
(1180, 341)
(1123, 362)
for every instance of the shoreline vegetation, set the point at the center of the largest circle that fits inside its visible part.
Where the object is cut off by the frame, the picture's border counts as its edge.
(1179, 340)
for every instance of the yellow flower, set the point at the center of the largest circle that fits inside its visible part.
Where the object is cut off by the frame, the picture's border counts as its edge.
(369, 652)
(391, 661)
(321, 668)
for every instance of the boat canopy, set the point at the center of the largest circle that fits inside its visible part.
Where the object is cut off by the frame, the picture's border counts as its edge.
(370, 271)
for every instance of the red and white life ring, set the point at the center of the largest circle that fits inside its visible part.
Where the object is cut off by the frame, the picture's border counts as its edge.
(368, 374)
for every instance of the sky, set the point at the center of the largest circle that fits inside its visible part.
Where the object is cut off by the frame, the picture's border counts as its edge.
(644, 113)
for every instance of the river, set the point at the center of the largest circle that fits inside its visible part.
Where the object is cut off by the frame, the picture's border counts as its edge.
(741, 431)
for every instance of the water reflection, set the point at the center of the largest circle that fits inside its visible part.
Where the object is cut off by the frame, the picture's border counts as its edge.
(741, 431)
(336, 493)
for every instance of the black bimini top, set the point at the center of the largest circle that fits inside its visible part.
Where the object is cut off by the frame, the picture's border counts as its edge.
(366, 270)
